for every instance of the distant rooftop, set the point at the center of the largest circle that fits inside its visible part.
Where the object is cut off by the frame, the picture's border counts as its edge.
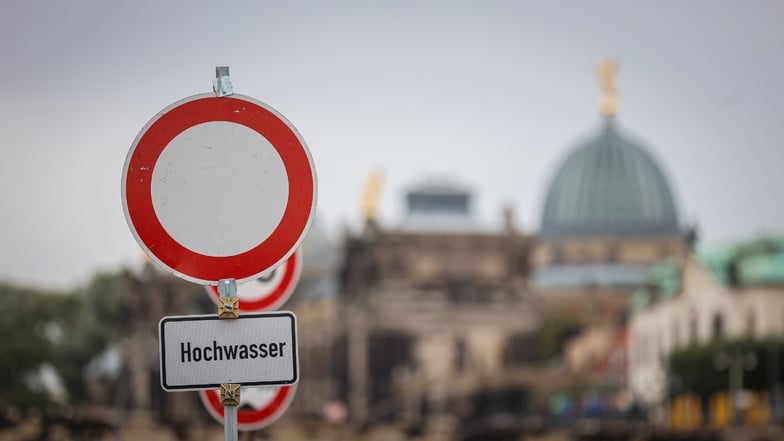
(752, 262)
(439, 206)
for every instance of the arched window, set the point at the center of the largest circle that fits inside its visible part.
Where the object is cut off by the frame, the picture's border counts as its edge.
(718, 326)
(751, 324)
(675, 340)
(693, 327)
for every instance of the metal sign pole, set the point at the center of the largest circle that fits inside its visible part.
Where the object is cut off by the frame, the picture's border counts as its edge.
(228, 304)
(230, 398)
(229, 308)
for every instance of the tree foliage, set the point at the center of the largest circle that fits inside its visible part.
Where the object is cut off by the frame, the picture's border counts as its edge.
(95, 327)
(62, 330)
(30, 327)
(699, 369)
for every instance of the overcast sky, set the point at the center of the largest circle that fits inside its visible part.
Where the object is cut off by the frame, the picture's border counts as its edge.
(491, 94)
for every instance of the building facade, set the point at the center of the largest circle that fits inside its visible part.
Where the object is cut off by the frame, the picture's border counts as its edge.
(433, 309)
(730, 293)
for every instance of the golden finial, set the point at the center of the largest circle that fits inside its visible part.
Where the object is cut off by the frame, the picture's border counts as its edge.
(606, 72)
(371, 195)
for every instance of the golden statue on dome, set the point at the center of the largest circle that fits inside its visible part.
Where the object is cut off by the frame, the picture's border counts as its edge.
(609, 101)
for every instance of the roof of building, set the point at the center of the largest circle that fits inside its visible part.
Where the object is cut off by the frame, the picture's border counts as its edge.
(441, 205)
(609, 185)
(752, 262)
(663, 281)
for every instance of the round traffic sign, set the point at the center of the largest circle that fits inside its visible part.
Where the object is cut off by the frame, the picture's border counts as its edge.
(218, 188)
(259, 406)
(270, 290)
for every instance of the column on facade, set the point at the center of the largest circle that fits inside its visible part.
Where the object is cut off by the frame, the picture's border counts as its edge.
(486, 349)
(134, 351)
(359, 380)
(435, 353)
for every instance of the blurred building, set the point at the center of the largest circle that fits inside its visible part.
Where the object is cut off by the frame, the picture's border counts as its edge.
(609, 215)
(729, 292)
(315, 303)
(432, 309)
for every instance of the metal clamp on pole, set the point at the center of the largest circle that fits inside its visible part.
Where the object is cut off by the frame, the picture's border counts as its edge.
(229, 308)
(228, 302)
(230, 394)
(221, 85)
(230, 399)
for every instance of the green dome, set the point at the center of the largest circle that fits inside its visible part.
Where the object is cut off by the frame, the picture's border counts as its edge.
(609, 186)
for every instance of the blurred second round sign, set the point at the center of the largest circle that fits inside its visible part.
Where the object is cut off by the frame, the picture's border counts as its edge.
(219, 187)
(259, 406)
(270, 290)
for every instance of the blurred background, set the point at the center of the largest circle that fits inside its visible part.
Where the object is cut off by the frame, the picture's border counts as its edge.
(535, 220)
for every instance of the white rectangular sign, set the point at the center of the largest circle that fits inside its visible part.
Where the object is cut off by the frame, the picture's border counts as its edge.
(203, 351)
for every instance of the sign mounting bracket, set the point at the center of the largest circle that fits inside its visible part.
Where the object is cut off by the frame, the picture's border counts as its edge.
(221, 85)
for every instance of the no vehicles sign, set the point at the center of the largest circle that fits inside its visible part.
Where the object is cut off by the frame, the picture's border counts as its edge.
(219, 188)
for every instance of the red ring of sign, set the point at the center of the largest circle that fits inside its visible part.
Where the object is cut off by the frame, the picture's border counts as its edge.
(282, 291)
(137, 188)
(248, 420)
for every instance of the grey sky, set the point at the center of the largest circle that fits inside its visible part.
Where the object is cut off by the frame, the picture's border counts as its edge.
(492, 94)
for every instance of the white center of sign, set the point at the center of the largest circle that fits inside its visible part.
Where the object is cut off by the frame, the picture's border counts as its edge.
(219, 188)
